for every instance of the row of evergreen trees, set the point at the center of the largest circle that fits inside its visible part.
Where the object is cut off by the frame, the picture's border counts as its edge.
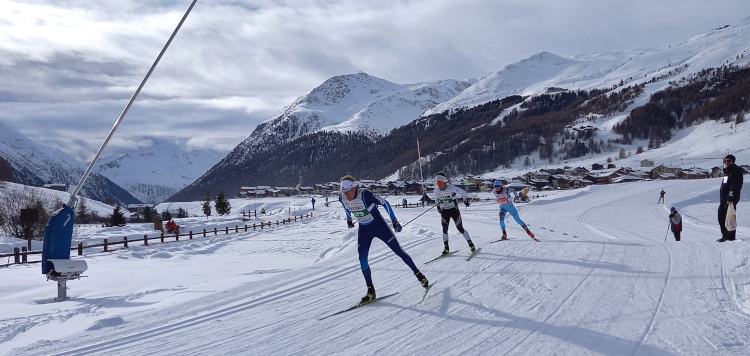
(712, 94)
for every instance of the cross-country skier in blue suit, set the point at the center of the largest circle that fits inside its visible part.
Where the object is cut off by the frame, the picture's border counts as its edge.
(502, 195)
(362, 204)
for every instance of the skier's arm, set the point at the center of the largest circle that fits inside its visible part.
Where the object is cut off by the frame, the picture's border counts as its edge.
(368, 196)
(460, 192)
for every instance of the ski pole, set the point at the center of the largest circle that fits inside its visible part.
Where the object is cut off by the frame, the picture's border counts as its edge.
(418, 216)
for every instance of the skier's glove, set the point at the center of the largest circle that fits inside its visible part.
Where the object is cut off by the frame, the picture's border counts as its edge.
(466, 203)
(349, 223)
(396, 225)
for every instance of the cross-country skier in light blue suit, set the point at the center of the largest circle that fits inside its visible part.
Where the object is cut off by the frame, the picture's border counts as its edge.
(362, 204)
(502, 195)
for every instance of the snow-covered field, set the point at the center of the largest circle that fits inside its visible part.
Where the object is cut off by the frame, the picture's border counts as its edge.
(601, 281)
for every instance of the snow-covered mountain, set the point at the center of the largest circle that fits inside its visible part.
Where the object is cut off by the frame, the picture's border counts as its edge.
(154, 173)
(352, 103)
(363, 104)
(36, 164)
(356, 102)
(670, 63)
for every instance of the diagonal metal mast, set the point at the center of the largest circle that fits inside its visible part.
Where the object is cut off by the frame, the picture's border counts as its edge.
(73, 200)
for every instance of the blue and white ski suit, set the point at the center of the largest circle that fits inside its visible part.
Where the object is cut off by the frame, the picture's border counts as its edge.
(371, 225)
(506, 205)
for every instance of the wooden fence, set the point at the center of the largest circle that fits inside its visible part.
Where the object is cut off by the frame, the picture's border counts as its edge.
(22, 255)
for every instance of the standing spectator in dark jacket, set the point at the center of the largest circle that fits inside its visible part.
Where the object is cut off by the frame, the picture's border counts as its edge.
(729, 193)
(675, 222)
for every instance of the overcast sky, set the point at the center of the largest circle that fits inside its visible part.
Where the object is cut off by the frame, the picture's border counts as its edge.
(68, 68)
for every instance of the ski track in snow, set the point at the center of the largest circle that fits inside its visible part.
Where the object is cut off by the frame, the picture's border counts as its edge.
(617, 288)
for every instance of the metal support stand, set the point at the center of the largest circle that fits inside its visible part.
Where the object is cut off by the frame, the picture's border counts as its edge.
(62, 290)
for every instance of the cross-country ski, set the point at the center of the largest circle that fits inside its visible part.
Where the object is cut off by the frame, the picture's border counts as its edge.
(360, 304)
(441, 256)
(473, 253)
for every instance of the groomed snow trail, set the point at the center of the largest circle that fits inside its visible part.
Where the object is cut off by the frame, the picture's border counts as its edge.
(601, 281)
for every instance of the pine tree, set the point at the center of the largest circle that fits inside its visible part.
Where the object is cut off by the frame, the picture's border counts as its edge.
(207, 204)
(82, 212)
(117, 218)
(222, 204)
(148, 215)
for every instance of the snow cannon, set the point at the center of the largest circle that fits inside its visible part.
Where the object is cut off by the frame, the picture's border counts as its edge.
(56, 262)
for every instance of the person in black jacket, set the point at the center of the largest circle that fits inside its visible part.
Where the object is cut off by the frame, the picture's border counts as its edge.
(675, 223)
(729, 193)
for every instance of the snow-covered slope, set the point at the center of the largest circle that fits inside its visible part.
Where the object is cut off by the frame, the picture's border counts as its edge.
(534, 75)
(154, 173)
(606, 278)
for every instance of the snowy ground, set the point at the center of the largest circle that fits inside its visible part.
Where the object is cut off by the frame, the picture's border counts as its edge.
(602, 281)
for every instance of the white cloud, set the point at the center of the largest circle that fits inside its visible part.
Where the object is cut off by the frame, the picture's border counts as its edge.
(68, 68)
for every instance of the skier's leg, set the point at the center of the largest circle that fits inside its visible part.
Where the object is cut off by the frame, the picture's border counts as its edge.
(364, 240)
(456, 216)
(502, 218)
(390, 239)
(444, 220)
(514, 213)
(722, 215)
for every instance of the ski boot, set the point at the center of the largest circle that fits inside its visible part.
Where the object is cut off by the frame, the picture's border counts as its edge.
(471, 246)
(446, 250)
(422, 279)
(505, 236)
(370, 294)
(528, 231)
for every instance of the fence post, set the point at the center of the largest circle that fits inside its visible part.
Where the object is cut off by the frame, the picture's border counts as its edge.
(162, 237)
(177, 236)
(236, 229)
(204, 232)
(253, 226)
(191, 234)
(16, 255)
(125, 242)
(24, 254)
(216, 231)
(106, 245)
(245, 227)
(226, 230)
(80, 248)
(145, 240)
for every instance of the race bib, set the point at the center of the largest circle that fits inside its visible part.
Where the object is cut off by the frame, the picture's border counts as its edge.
(503, 201)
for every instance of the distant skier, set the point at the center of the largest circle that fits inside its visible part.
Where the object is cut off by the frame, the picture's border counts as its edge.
(362, 204)
(313, 203)
(729, 193)
(445, 198)
(661, 197)
(675, 222)
(326, 201)
(502, 195)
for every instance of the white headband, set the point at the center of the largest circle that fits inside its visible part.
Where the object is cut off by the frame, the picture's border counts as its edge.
(346, 185)
(440, 178)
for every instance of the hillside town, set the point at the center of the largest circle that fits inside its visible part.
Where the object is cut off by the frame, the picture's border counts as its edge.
(539, 180)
